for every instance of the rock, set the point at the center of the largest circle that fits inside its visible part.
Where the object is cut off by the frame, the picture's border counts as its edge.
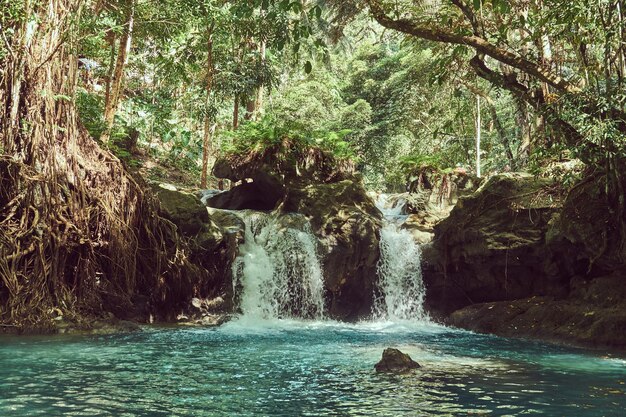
(520, 259)
(228, 222)
(594, 314)
(204, 195)
(283, 164)
(419, 228)
(197, 303)
(207, 320)
(214, 320)
(98, 327)
(333, 199)
(347, 224)
(184, 210)
(587, 232)
(213, 240)
(251, 196)
(166, 186)
(438, 192)
(395, 361)
(215, 305)
(492, 247)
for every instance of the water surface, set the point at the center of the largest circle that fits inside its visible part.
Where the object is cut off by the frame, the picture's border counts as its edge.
(295, 368)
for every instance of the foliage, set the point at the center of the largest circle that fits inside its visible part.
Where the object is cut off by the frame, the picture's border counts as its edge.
(417, 162)
(325, 66)
(256, 137)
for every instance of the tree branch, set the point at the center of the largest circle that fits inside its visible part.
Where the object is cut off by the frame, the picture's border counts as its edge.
(479, 44)
(570, 134)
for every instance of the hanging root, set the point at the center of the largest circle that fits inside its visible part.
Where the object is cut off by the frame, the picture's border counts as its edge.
(79, 237)
(85, 241)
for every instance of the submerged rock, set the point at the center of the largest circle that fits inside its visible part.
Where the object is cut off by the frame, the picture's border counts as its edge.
(97, 327)
(395, 361)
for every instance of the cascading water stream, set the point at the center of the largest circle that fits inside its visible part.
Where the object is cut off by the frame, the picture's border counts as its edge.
(278, 272)
(400, 285)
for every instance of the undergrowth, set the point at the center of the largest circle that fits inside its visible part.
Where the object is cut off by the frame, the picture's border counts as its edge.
(256, 137)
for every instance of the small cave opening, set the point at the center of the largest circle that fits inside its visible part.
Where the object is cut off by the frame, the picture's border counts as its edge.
(249, 195)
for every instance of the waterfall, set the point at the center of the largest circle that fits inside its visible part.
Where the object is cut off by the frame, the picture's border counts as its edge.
(278, 273)
(400, 286)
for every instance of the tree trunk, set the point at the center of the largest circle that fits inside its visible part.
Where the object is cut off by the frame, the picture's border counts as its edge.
(208, 127)
(117, 81)
(478, 138)
(110, 38)
(250, 108)
(236, 113)
(523, 123)
(261, 91)
(504, 139)
(571, 136)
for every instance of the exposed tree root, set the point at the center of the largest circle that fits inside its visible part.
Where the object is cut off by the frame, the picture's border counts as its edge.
(78, 236)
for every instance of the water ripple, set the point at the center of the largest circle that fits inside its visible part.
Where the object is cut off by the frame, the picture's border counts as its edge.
(302, 369)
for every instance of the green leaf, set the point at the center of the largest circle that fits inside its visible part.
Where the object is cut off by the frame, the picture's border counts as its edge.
(308, 67)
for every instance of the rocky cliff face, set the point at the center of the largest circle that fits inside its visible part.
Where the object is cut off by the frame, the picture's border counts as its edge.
(343, 218)
(520, 257)
(212, 241)
(592, 314)
(347, 224)
(492, 246)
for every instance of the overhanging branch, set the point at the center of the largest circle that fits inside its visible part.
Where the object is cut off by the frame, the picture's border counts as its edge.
(479, 44)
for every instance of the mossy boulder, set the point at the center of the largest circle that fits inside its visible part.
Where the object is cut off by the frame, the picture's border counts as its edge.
(185, 210)
(326, 191)
(492, 247)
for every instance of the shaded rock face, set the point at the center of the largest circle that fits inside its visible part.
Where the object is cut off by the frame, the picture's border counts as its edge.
(282, 164)
(342, 217)
(594, 314)
(213, 239)
(420, 229)
(248, 196)
(519, 259)
(587, 232)
(395, 361)
(436, 193)
(347, 224)
(492, 247)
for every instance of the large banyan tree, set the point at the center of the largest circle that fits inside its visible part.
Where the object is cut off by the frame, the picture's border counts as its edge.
(78, 235)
